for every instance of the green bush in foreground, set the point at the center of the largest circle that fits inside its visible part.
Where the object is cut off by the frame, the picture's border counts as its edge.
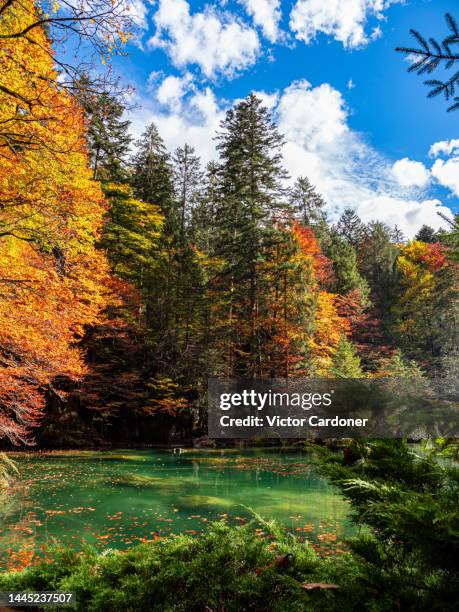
(406, 560)
(229, 568)
(409, 504)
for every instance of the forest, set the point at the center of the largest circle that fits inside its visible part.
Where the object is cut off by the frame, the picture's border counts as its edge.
(130, 274)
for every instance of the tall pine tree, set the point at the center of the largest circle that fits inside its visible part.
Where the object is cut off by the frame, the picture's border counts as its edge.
(152, 172)
(188, 184)
(252, 200)
(307, 203)
(203, 213)
(106, 132)
(350, 227)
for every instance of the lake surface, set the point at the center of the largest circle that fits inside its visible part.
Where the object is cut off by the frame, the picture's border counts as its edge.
(117, 499)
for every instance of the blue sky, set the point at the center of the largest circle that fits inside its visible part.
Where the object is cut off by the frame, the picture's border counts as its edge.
(356, 123)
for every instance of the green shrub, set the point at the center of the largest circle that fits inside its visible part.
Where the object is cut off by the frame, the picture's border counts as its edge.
(229, 568)
(405, 560)
(409, 504)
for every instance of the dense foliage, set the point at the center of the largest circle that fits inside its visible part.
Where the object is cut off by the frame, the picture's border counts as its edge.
(240, 275)
(405, 558)
(228, 568)
(409, 503)
(130, 274)
(54, 280)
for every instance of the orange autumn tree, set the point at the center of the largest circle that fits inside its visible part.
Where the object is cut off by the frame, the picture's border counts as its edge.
(328, 326)
(425, 311)
(306, 326)
(290, 286)
(52, 277)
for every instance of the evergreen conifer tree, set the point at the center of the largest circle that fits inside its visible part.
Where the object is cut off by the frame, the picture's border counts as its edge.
(251, 202)
(346, 363)
(307, 203)
(344, 259)
(397, 235)
(203, 213)
(426, 234)
(350, 227)
(377, 257)
(152, 172)
(107, 134)
(188, 183)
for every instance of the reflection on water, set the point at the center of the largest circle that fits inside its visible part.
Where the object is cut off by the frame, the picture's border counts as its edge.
(118, 499)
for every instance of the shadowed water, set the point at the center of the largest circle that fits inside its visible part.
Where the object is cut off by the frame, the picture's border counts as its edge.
(118, 499)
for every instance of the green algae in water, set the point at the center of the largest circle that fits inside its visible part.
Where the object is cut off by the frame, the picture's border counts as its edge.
(119, 499)
(140, 480)
(203, 501)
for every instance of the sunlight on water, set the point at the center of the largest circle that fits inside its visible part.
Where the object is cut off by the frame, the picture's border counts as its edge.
(118, 499)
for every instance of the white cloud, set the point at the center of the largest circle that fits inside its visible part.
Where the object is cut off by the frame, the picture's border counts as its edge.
(444, 147)
(409, 173)
(344, 20)
(344, 168)
(444, 172)
(269, 100)
(172, 90)
(411, 58)
(266, 14)
(195, 123)
(218, 43)
(138, 13)
(447, 173)
(312, 117)
(408, 215)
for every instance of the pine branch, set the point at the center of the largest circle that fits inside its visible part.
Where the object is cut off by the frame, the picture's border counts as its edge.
(430, 55)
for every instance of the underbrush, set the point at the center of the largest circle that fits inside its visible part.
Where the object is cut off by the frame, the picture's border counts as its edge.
(405, 560)
(228, 569)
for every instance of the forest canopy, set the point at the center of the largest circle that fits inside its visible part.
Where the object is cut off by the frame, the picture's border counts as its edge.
(130, 274)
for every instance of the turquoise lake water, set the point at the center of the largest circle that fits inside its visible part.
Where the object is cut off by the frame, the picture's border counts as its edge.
(116, 499)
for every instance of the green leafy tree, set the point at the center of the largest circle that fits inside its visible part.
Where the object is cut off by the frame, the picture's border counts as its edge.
(132, 234)
(425, 303)
(400, 367)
